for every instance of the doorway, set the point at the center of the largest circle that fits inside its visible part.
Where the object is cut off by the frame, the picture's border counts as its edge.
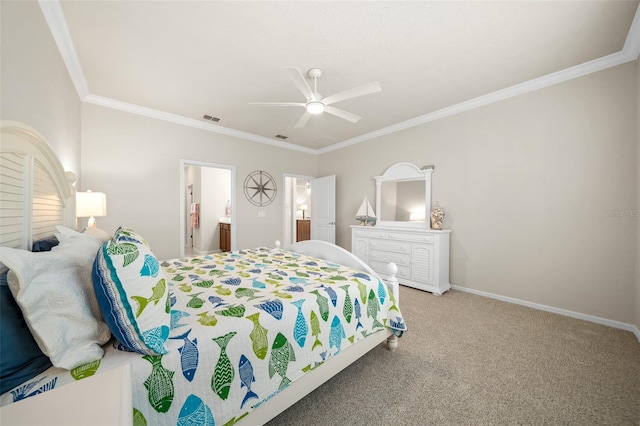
(207, 213)
(297, 209)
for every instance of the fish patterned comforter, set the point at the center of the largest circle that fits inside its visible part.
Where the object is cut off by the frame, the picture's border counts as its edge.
(244, 325)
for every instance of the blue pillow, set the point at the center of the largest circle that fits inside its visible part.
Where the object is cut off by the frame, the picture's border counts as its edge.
(45, 244)
(20, 357)
(132, 292)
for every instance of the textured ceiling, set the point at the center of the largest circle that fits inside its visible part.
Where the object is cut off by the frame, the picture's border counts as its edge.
(193, 58)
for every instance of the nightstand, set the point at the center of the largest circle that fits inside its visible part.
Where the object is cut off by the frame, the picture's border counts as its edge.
(103, 399)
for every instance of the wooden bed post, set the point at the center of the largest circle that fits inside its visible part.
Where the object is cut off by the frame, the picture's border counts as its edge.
(394, 286)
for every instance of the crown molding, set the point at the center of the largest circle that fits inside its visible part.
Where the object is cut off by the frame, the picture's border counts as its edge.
(58, 26)
(190, 122)
(54, 16)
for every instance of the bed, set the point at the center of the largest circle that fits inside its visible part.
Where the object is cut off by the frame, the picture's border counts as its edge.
(242, 335)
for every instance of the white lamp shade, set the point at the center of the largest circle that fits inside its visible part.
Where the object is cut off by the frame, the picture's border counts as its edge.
(90, 204)
(304, 207)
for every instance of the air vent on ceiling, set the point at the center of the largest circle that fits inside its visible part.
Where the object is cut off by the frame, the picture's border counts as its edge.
(281, 137)
(209, 117)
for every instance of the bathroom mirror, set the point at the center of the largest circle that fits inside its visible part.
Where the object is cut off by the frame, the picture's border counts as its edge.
(403, 196)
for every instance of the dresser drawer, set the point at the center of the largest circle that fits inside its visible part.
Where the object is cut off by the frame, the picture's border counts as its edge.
(371, 234)
(386, 257)
(418, 238)
(389, 245)
(381, 268)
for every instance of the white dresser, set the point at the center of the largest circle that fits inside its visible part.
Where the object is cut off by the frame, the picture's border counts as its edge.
(422, 255)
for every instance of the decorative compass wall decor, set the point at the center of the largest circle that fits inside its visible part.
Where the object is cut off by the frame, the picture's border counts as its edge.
(260, 188)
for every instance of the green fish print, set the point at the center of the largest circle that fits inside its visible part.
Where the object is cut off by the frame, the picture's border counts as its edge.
(372, 309)
(247, 292)
(86, 370)
(236, 311)
(195, 302)
(347, 309)
(224, 373)
(129, 252)
(138, 418)
(206, 319)
(281, 355)
(159, 384)
(222, 291)
(203, 284)
(258, 336)
(315, 329)
(158, 292)
(363, 291)
(282, 295)
(323, 305)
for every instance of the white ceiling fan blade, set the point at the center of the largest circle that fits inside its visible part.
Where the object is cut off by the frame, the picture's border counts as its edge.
(365, 89)
(342, 114)
(298, 79)
(303, 120)
(278, 103)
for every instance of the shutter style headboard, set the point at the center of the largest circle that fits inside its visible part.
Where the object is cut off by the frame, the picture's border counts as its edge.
(35, 190)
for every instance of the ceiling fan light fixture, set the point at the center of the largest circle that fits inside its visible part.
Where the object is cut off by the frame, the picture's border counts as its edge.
(315, 107)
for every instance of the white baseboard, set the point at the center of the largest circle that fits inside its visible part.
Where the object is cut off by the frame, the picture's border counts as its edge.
(591, 318)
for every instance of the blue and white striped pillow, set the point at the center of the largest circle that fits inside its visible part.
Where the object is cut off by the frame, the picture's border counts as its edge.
(133, 293)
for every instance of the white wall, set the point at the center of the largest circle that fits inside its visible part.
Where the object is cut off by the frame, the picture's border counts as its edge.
(135, 160)
(35, 87)
(526, 184)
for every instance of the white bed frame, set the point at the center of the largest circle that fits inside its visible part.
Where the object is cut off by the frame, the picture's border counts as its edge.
(35, 195)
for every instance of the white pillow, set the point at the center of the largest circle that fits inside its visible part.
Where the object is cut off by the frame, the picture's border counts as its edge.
(66, 235)
(55, 293)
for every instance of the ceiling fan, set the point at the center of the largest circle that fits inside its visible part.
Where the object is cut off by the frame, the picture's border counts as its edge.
(315, 103)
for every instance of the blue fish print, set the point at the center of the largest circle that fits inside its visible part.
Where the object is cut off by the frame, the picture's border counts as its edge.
(188, 355)
(300, 329)
(232, 281)
(176, 316)
(294, 288)
(245, 370)
(172, 299)
(258, 284)
(155, 338)
(150, 266)
(272, 307)
(254, 271)
(297, 280)
(207, 257)
(363, 276)
(382, 292)
(24, 391)
(398, 324)
(311, 263)
(217, 301)
(229, 268)
(357, 309)
(336, 334)
(332, 294)
(195, 412)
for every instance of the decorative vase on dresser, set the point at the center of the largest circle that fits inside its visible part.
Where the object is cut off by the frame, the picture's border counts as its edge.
(403, 193)
(422, 255)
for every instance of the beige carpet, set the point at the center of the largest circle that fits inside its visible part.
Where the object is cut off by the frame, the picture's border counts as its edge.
(471, 360)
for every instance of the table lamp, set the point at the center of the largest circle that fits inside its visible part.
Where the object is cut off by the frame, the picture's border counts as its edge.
(91, 204)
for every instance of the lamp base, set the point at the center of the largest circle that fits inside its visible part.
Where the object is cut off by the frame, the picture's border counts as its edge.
(92, 223)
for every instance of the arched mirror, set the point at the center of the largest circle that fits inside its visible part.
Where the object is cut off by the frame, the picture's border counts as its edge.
(403, 196)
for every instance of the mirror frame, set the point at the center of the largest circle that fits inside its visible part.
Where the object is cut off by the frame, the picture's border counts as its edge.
(405, 171)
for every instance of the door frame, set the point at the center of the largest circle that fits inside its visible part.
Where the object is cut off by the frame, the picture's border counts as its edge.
(234, 222)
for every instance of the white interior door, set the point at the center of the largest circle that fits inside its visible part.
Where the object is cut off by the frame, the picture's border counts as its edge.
(323, 209)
